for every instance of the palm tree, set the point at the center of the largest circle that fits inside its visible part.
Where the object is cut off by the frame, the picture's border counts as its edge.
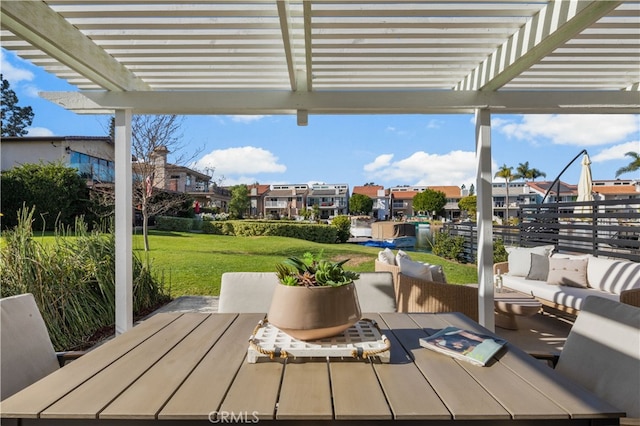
(535, 173)
(505, 173)
(633, 166)
(522, 171)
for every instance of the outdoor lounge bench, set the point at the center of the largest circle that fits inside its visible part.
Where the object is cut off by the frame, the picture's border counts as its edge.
(563, 281)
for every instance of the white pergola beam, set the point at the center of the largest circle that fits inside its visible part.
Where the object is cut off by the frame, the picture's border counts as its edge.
(285, 25)
(555, 24)
(351, 102)
(40, 26)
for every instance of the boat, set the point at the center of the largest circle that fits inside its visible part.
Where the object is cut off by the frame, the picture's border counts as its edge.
(392, 235)
(361, 226)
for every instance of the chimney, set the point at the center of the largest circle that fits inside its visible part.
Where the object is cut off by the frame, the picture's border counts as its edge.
(159, 161)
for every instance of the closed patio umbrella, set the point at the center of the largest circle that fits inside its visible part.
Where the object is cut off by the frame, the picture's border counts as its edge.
(584, 186)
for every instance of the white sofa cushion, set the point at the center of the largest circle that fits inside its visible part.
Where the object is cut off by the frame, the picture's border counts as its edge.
(520, 258)
(613, 275)
(414, 269)
(568, 272)
(386, 256)
(572, 297)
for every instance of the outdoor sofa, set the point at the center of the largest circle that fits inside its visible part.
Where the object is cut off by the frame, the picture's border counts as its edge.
(563, 281)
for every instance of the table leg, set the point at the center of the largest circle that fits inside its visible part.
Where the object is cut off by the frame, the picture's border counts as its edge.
(507, 321)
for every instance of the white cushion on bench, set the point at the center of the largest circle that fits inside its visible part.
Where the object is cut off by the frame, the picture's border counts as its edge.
(613, 275)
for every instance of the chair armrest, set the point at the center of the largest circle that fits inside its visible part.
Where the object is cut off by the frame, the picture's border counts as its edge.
(503, 266)
(64, 357)
(385, 267)
(417, 295)
(631, 297)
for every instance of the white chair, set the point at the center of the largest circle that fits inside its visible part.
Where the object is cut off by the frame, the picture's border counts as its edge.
(602, 353)
(375, 292)
(246, 292)
(26, 351)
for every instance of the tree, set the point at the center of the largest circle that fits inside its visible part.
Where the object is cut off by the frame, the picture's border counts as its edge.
(15, 119)
(239, 202)
(57, 193)
(505, 173)
(524, 172)
(429, 201)
(633, 166)
(360, 204)
(469, 204)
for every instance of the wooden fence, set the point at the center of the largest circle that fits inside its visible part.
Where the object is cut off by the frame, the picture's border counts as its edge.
(608, 228)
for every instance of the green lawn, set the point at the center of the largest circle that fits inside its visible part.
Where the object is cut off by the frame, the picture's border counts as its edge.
(192, 264)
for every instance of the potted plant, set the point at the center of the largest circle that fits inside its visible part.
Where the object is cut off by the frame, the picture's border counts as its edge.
(316, 298)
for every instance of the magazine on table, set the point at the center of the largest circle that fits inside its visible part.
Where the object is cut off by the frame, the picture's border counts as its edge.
(462, 344)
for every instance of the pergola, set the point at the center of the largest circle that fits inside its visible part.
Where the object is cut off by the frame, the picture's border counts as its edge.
(329, 57)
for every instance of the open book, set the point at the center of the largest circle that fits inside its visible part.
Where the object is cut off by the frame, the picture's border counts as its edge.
(463, 344)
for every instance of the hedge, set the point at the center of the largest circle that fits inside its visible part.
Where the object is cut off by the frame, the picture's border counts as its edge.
(179, 224)
(246, 228)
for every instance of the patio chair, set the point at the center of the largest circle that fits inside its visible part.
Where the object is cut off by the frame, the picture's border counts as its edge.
(246, 292)
(375, 292)
(419, 295)
(26, 351)
(602, 353)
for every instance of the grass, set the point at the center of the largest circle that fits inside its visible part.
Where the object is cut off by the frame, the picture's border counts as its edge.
(193, 264)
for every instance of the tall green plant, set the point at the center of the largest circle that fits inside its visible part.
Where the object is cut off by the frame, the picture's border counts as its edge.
(72, 279)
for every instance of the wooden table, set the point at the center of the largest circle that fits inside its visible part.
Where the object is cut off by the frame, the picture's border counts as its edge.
(192, 369)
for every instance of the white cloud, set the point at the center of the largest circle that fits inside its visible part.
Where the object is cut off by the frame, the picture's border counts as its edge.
(13, 74)
(246, 118)
(380, 161)
(616, 152)
(422, 168)
(232, 162)
(578, 130)
(39, 131)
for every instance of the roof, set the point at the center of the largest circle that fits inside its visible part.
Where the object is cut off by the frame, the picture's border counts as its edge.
(403, 195)
(27, 139)
(543, 186)
(616, 190)
(370, 191)
(285, 192)
(260, 189)
(449, 191)
(320, 57)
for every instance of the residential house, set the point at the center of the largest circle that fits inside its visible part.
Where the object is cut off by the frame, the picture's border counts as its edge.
(401, 198)
(92, 156)
(285, 200)
(453, 195)
(331, 199)
(616, 189)
(377, 193)
(257, 194)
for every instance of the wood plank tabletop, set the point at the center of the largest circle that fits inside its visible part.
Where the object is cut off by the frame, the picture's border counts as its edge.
(192, 369)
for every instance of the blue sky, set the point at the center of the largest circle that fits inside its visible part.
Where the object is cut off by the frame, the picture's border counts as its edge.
(388, 150)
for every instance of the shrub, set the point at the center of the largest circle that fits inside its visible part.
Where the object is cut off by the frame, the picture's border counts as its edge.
(343, 225)
(249, 228)
(55, 192)
(499, 252)
(179, 224)
(449, 247)
(72, 280)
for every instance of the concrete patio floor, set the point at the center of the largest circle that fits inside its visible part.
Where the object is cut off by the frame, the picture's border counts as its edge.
(545, 332)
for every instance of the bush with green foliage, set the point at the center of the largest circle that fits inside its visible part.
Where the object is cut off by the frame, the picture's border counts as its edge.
(499, 252)
(58, 194)
(343, 224)
(360, 204)
(449, 247)
(72, 280)
(168, 223)
(248, 228)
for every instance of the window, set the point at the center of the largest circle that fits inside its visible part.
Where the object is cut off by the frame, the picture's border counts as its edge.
(92, 168)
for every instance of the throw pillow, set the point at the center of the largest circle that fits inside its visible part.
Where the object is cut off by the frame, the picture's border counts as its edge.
(386, 256)
(539, 267)
(437, 273)
(402, 253)
(414, 269)
(520, 258)
(569, 272)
